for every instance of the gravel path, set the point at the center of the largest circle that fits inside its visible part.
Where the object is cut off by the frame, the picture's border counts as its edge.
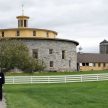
(2, 103)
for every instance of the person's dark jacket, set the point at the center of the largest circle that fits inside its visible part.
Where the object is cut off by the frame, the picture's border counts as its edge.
(2, 78)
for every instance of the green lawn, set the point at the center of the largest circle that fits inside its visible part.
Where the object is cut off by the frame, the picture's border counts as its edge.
(71, 95)
(56, 73)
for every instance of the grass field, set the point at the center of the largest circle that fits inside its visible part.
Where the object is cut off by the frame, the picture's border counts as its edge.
(57, 73)
(71, 95)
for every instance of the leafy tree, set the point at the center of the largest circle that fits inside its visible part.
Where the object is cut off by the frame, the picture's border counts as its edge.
(34, 65)
(15, 54)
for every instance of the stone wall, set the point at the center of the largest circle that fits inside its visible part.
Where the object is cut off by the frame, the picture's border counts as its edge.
(69, 63)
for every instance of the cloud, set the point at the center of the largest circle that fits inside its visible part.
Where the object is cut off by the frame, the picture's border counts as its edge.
(81, 20)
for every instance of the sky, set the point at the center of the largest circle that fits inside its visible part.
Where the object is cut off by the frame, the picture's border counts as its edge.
(85, 21)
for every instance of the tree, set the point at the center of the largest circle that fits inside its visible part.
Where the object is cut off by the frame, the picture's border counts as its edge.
(34, 65)
(15, 54)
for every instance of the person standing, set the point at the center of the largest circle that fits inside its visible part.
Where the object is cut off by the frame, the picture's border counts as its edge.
(2, 81)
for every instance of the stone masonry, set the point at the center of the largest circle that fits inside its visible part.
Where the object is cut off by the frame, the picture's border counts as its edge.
(69, 63)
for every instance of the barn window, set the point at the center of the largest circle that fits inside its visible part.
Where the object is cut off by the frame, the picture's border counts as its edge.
(99, 64)
(47, 34)
(34, 33)
(35, 53)
(87, 64)
(63, 54)
(18, 33)
(94, 64)
(104, 64)
(69, 63)
(2, 33)
(50, 51)
(51, 63)
(25, 23)
(83, 64)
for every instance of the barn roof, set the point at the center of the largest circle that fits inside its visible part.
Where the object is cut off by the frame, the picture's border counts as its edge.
(92, 58)
(104, 41)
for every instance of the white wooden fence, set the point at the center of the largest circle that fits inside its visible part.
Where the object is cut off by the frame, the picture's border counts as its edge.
(55, 79)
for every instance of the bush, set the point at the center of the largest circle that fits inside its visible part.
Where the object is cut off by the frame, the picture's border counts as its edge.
(15, 54)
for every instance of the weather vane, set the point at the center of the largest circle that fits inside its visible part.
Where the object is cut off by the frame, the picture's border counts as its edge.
(22, 9)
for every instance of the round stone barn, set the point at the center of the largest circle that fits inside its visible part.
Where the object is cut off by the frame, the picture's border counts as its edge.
(57, 54)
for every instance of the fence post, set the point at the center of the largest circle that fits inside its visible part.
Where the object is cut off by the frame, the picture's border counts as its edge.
(31, 80)
(13, 80)
(65, 79)
(48, 79)
(81, 78)
(97, 77)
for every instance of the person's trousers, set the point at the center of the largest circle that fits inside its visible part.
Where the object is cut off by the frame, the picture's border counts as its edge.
(1, 95)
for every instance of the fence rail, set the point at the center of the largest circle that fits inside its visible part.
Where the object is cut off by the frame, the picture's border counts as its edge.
(55, 79)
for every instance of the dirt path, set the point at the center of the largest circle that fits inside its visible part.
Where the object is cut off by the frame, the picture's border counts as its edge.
(2, 104)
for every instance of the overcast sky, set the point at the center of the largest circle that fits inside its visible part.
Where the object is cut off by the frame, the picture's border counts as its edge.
(85, 21)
